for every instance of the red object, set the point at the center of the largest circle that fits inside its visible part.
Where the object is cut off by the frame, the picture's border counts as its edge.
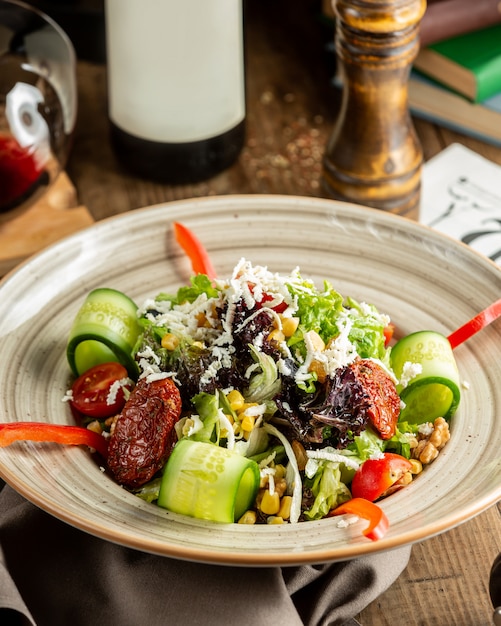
(18, 172)
(376, 476)
(383, 402)
(477, 323)
(279, 308)
(196, 252)
(55, 433)
(91, 390)
(388, 334)
(144, 432)
(378, 522)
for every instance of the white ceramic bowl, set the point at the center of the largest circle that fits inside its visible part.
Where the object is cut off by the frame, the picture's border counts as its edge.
(424, 280)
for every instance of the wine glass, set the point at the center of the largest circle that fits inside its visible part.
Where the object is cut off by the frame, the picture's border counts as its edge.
(37, 104)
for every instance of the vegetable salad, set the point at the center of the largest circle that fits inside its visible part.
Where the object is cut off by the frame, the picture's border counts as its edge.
(288, 405)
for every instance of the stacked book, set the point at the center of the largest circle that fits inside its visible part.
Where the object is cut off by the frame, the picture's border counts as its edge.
(456, 78)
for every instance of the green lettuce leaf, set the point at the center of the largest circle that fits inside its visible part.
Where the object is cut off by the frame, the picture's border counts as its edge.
(199, 284)
(367, 331)
(317, 310)
(207, 408)
(366, 445)
(328, 488)
(265, 383)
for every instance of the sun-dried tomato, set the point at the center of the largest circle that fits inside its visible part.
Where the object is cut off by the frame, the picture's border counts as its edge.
(144, 434)
(383, 402)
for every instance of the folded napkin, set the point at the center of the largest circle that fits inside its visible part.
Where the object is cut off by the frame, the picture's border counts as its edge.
(52, 574)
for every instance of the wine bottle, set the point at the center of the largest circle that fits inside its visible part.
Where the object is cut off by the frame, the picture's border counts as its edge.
(176, 86)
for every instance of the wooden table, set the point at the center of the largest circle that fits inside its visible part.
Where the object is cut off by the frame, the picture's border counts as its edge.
(291, 111)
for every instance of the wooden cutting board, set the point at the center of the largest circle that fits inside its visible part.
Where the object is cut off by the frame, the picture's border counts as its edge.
(54, 216)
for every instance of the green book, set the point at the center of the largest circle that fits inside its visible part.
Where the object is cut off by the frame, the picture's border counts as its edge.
(469, 64)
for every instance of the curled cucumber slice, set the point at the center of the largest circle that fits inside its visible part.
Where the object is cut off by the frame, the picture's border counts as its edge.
(208, 482)
(105, 329)
(435, 391)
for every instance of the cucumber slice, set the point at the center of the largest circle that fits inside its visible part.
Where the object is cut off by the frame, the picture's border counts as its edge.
(435, 391)
(105, 329)
(208, 482)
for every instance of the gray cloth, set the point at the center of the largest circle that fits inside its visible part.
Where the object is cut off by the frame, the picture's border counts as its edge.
(54, 575)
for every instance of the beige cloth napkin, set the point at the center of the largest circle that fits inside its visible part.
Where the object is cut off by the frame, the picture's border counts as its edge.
(54, 575)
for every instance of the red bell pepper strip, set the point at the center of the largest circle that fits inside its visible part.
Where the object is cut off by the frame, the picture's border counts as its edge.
(55, 433)
(200, 261)
(375, 476)
(378, 522)
(477, 323)
(388, 332)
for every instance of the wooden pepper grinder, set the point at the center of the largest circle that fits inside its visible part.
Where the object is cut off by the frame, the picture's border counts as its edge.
(373, 156)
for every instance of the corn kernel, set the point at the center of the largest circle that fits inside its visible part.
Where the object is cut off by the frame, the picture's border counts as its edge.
(248, 423)
(235, 400)
(276, 335)
(280, 471)
(249, 517)
(285, 507)
(170, 341)
(245, 406)
(289, 325)
(275, 519)
(270, 504)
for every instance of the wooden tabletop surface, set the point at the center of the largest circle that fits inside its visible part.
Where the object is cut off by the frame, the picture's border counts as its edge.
(291, 109)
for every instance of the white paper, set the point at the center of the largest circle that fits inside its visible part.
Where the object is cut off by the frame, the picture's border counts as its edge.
(461, 197)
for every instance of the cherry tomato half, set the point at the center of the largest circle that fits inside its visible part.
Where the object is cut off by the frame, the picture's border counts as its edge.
(91, 390)
(376, 476)
(279, 308)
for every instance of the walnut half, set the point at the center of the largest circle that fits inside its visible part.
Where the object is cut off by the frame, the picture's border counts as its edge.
(431, 440)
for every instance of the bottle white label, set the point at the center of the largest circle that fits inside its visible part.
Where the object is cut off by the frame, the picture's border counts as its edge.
(175, 67)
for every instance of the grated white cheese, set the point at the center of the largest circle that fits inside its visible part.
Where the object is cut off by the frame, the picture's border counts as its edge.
(283, 368)
(339, 353)
(151, 378)
(255, 411)
(425, 429)
(327, 454)
(409, 371)
(68, 396)
(266, 461)
(269, 472)
(115, 388)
